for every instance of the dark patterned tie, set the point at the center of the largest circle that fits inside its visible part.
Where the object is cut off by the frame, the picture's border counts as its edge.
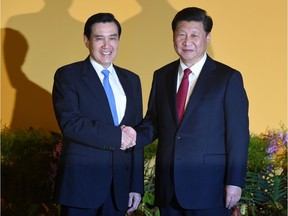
(182, 94)
(110, 96)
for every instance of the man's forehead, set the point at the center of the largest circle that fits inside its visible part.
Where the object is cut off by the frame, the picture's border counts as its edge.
(105, 29)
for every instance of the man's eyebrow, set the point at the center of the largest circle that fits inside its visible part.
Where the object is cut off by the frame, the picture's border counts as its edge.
(97, 35)
(114, 35)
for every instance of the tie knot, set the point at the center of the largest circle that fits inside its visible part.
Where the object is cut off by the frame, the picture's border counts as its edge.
(187, 71)
(105, 72)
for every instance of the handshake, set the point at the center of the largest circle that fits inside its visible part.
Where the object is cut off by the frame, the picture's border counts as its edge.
(128, 138)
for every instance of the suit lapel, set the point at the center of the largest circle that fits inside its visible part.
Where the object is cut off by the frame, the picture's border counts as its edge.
(205, 79)
(128, 91)
(93, 82)
(172, 81)
(172, 88)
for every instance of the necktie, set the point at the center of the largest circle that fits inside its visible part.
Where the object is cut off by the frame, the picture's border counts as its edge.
(110, 95)
(182, 94)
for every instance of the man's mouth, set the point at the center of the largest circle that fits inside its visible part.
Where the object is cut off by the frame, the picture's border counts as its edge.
(106, 53)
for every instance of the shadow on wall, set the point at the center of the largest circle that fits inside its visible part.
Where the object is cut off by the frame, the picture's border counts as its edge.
(35, 45)
(147, 37)
(146, 43)
(33, 106)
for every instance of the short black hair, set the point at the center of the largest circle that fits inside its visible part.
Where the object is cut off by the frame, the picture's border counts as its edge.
(193, 14)
(100, 18)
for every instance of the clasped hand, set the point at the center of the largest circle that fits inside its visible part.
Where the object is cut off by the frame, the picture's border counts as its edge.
(128, 138)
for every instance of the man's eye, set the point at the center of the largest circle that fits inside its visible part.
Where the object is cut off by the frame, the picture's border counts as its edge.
(181, 35)
(99, 38)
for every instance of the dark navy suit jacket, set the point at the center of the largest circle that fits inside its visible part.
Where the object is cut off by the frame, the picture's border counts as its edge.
(91, 156)
(208, 149)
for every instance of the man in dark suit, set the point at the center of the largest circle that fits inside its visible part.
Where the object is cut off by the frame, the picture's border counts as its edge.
(99, 172)
(198, 110)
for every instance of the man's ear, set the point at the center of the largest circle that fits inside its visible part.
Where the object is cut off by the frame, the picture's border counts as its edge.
(86, 40)
(208, 38)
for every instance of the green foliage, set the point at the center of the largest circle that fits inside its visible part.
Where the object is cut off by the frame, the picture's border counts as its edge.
(146, 207)
(29, 165)
(25, 164)
(265, 192)
(257, 157)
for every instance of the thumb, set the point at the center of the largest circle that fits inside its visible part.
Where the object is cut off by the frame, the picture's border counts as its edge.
(130, 201)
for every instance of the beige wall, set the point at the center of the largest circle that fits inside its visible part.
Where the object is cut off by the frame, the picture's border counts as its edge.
(38, 36)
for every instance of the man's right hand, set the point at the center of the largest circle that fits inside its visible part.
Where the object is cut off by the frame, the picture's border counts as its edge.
(128, 138)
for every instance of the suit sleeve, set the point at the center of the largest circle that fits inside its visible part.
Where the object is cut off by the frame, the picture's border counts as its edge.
(137, 181)
(147, 130)
(237, 130)
(75, 126)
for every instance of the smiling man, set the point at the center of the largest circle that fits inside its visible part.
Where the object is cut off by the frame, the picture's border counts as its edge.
(198, 110)
(100, 173)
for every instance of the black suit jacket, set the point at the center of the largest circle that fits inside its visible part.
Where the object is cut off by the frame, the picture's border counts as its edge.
(208, 149)
(91, 156)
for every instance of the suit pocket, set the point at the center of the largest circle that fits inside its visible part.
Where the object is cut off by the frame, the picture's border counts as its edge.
(215, 159)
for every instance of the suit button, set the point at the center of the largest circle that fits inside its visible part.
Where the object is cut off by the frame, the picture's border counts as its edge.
(178, 137)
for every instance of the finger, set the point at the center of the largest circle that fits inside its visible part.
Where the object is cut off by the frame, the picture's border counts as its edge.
(231, 204)
(130, 210)
(228, 201)
(133, 208)
(134, 204)
(130, 201)
(130, 145)
(124, 147)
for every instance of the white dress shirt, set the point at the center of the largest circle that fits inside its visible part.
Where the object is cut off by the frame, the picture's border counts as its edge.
(196, 70)
(119, 94)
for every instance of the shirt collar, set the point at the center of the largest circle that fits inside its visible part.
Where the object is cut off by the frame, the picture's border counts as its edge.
(99, 67)
(196, 68)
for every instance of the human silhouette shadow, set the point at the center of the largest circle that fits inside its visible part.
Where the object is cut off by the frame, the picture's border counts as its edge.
(33, 107)
(146, 43)
(146, 36)
(49, 39)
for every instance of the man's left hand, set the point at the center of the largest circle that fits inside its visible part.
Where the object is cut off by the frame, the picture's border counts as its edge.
(134, 200)
(233, 195)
